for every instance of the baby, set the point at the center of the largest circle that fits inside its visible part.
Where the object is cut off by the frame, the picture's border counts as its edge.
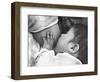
(71, 48)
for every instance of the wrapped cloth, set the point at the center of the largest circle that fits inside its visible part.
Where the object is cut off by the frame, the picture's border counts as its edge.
(39, 23)
(47, 58)
(34, 48)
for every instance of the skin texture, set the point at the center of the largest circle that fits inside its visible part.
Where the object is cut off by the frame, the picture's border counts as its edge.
(64, 43)
(74, 42)
(48, 41)
(40, 35)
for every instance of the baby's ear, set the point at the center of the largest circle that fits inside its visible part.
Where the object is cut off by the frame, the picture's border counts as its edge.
(73, 47)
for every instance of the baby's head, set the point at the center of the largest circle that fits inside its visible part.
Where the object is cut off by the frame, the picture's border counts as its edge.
(74, 42)
(40, 25)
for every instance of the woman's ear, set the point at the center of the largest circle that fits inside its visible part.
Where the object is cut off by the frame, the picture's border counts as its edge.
(73, 48)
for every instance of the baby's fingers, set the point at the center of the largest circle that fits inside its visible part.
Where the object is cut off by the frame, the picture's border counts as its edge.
(48, 35)
(44, 39)
(51, 36)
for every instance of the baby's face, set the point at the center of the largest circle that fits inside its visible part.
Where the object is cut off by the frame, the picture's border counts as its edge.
(65, 41)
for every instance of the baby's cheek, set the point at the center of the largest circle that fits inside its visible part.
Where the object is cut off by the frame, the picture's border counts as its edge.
(60, 46)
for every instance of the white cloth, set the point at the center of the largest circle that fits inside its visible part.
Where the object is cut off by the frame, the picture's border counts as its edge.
(44, 57)
(34, 48)
(39, 23)
(47, 58)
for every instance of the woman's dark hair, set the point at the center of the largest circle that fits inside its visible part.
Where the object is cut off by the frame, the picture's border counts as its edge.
(63, 24)
(81, 37)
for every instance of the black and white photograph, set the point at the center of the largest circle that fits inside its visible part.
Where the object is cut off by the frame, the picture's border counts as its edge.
(57, 40)
(50, 40)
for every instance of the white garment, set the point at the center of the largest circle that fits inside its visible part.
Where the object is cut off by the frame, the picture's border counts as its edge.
(44, 57)
(39, 23)
(34, 48)
(48, 58)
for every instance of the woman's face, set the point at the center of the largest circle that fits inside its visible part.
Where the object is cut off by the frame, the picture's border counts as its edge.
(65, 41)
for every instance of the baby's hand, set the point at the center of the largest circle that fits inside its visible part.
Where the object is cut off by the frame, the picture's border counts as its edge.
(48, 41)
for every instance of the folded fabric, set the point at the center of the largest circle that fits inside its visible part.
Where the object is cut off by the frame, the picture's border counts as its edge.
(39, 23)
(48, 58)
(33, 48)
